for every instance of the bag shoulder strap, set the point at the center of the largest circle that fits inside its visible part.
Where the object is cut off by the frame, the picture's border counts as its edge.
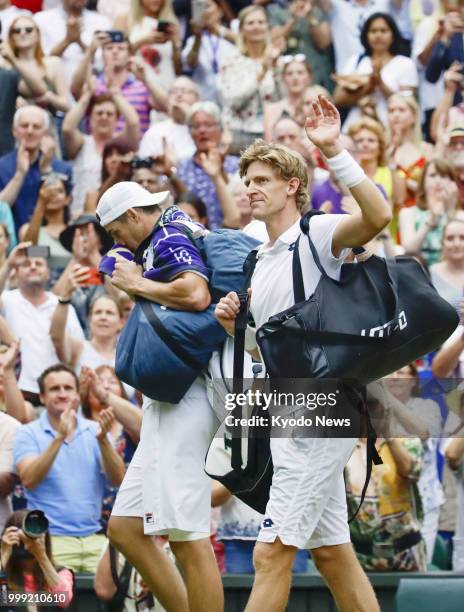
(304, 226)
(120, 580)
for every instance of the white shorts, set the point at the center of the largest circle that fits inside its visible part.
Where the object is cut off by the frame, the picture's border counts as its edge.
(307, 503)
(166, 484)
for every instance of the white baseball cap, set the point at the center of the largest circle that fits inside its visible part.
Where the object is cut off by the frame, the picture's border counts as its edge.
(120, 197)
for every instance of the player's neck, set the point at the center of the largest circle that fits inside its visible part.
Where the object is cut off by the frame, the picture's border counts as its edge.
(280, 223)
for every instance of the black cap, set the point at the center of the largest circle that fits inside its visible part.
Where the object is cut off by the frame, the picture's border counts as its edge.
(67, 235)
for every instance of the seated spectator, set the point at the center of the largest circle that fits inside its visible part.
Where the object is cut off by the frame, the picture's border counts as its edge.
(386, 532)
(421, 226)
(104, 325)
(446, 112)
(247, 80)
(156, 175)
(117, 157)
(101, 389)
(173, 131)
(407, 151)
(385, 69)
(8, 430)
(450, 145)
(242, 201)
(87, 241)
(49, 219)
(67, 30)
(307, 32)
(287, 132)
(24, 40)
(59, 459)
(28, 311)
(194, 206)
(447, 275)
(296, 77)
(206, 51)
(370, 142)
(132, 76)
(204, 172)
(454, 454)
(161, 49)
(29, 564)
(86, 149)
(22, 169)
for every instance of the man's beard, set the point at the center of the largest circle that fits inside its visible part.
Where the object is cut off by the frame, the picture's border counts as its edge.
(33, 286)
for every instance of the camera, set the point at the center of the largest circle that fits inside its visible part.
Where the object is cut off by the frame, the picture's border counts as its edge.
(116, 36)
(35, 523)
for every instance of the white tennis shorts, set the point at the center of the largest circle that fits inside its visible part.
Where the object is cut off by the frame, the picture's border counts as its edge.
(307, 503)
(166, 484)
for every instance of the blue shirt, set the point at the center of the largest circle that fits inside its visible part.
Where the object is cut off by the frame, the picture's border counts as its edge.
(197, 180)
(27, 197)
(71, 493)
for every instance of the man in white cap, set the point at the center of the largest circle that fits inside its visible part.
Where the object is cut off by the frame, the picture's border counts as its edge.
(165, 491)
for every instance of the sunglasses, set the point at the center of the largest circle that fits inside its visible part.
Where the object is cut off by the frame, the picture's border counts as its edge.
(288, 59)
(26, 30)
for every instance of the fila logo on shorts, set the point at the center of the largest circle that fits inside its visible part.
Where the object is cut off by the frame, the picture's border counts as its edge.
(267, 523)
(149, 518)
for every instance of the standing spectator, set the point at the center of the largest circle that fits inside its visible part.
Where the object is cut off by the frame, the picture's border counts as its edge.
(8, 13)
(205, 127)
(421, 226)
(29, 563)
(307, 31)
(454, 455)
(67, 30)
(86, 149)
(160, 48)
(24, 40)
(206, 51)
(8, 429)
(132, 76)
(296, 76)
(59, 459)
(173, 131)
(448, 274)
(447, 113)
(408, 153)
(386, 533)
(383, 64)
(22, 169)
(28, 311)
(453, 141)
(248, 78)
(50, 217)
(104, 325)
(346, 23)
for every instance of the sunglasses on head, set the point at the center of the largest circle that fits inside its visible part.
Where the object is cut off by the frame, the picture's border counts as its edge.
(288, 59)
(26, 29)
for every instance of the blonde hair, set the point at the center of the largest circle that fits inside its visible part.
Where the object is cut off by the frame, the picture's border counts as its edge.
(285, 163)
(137, 13)
(415, 134)
(241, 42)
(38, 51)
(366, 123)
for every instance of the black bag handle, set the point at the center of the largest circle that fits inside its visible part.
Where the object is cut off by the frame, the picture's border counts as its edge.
(298, 284)
(121, 581)
(239, 349)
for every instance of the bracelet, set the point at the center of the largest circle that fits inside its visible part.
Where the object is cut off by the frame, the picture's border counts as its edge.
(346, 169)
(63, 301)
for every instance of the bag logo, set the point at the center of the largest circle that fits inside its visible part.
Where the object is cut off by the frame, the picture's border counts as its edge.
(388, 328)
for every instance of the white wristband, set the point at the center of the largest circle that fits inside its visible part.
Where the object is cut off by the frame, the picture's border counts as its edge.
(347, 169)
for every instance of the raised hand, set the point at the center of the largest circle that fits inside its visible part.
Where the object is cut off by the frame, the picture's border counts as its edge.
(323, 126)
(9, 357)
(90, 383)
(23, 160)
(211, 162)
(67, 422)
(106, 420)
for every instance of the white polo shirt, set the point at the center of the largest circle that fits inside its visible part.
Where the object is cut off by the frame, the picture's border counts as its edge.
(272, 281)
(31, 325)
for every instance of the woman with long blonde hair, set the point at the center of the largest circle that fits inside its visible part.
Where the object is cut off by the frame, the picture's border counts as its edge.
(408, 151)
(248, 80)
(159, 45)
(24, 42)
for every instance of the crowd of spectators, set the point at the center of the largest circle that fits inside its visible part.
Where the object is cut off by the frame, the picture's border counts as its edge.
(167, 93)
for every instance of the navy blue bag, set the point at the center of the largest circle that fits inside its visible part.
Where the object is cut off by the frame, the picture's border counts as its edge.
(161, 351)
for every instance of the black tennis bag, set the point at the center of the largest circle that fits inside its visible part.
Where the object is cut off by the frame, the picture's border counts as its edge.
(380, 316)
